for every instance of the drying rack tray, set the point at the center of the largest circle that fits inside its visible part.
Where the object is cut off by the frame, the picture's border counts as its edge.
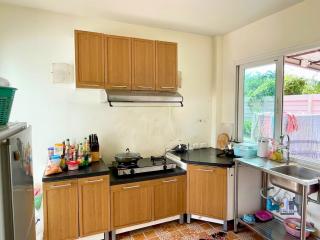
(271, 230)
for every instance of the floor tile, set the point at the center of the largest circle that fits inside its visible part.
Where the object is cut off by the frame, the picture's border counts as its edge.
(196, 230)
(150, 234)
(138, 236)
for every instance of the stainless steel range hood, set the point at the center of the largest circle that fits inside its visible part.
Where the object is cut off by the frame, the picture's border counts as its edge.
(121, 96)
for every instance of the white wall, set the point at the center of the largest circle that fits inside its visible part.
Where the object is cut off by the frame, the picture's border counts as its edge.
(292, 29)
(30, 40)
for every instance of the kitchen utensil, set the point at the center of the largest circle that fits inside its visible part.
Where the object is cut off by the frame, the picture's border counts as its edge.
(180, 148)
(292, 226)
(223, 141)
(263, 215)
(127, 156)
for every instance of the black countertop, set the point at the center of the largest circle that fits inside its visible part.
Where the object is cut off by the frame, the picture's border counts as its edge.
(95, 169)
(116, 180)
(205, 156)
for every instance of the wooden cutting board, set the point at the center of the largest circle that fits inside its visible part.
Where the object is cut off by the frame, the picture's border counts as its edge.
(222, 141)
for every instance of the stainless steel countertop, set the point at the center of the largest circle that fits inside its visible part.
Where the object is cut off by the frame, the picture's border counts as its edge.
(267, 165)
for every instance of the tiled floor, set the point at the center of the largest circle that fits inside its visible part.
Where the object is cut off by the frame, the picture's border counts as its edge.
(196, 230)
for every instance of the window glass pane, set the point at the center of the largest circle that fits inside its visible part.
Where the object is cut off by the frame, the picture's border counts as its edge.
(259, 102)
(301, 110)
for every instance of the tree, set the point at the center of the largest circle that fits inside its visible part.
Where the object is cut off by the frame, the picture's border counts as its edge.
(294, 85)
(312, 88)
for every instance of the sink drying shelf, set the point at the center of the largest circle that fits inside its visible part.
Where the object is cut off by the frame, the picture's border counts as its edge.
(271, 230)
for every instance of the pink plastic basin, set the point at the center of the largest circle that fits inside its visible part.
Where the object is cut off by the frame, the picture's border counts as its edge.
(292, 231)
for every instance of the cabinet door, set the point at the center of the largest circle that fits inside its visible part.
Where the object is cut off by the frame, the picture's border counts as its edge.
(94, 206)
(131, 204)
(170, 197)
(207, 191)
(166, 66)
(89, 59)
(118, 63)
(61, 210)
(143, 64)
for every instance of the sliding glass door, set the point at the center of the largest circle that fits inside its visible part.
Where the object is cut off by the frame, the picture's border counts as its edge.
(259, 100)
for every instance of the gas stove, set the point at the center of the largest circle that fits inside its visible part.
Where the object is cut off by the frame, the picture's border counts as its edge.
(144, 165)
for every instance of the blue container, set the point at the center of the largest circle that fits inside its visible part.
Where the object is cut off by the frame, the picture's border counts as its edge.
(245, 150)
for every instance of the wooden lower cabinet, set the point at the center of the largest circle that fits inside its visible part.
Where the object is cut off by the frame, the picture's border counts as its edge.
(131, 204)
(207, 191)
(76, 208)
(146, 201)
(61, 210)
(94, 207)
(170, 197)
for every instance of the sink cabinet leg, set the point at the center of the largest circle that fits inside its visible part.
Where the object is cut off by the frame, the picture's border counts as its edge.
(225, 226)
(181, 219)
(113, 235)
(303, 213)
(265, 190)
(188, 218)
(236, 199)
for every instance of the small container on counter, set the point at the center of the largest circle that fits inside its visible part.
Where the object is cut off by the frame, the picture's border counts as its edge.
(73, 165)
(50, 152)
(263, 147)
(58, 149)
(246, 150)
(55, 160)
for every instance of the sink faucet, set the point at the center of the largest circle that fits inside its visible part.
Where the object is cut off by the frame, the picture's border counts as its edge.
(287, 147)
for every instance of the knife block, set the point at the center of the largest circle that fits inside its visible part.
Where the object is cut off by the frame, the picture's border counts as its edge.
(95, 156)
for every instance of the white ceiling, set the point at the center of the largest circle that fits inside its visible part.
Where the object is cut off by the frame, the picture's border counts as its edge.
(210, 17)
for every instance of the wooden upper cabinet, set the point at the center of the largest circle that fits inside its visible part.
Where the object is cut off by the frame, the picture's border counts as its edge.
(143, 64)
(94, 207)
(89, 50)
(207, 194)
(131, 204)
(124, 63)
(170, 197)
(117, 62)
(61, 210)
(166, 66)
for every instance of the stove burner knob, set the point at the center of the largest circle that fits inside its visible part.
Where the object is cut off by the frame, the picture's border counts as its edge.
(164, 167)
(132, 171)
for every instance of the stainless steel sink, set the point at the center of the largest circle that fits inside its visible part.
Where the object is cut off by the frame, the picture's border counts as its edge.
(288, 177)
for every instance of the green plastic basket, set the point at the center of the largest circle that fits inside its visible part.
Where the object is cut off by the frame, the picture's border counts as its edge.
(6, 100)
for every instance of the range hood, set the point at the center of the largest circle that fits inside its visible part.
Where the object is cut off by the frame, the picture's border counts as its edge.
(121, 96)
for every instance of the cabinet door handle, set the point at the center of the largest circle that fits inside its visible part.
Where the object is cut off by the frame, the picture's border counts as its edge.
(93, 181)
(144, 87)
(61, 186)
(167, 87)
(93, 85)
(136, 186)
(119, 86)
(168, 181)
(205, 170)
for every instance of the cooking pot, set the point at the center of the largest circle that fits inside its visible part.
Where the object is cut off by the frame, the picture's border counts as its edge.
(127, 156)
